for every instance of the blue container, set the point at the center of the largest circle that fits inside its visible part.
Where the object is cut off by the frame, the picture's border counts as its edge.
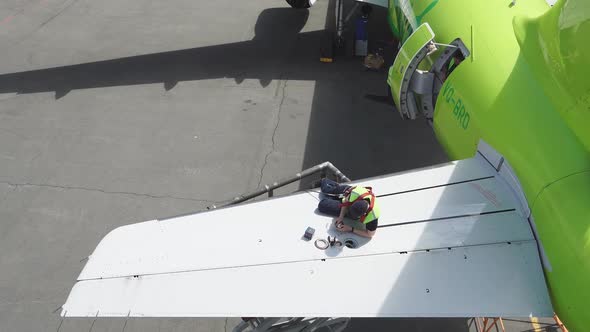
(361, 43)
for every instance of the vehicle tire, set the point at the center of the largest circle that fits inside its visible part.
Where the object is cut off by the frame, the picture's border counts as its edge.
(300, 4)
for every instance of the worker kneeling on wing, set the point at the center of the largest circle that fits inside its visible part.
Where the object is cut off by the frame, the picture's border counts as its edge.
(357, 203)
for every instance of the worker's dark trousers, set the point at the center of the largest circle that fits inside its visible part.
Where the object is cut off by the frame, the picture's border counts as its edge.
(331, 204)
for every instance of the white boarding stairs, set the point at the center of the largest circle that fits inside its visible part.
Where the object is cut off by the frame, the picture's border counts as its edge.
(454, 240)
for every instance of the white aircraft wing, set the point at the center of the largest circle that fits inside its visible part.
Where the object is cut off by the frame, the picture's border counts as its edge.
(453, 241)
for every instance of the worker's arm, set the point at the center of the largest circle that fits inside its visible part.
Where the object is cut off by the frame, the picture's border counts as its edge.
(339, 223)
(370, 230)
(343, 211)
(364, 232)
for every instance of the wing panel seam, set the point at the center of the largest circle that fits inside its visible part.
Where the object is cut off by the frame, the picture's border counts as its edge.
(446, 218)
(311, 260)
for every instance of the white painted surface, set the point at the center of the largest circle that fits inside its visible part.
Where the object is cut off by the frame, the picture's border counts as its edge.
(506, 172)
(496, 280)
(468, 198)
(270, 231)
(453, 172)
(252, 253)
(155, 247)
(490, 154)
(509, 175)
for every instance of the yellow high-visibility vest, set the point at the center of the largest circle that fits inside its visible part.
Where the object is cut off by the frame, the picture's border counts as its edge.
(358, 193)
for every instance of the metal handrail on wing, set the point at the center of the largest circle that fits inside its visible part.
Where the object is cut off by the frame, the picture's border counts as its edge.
(323, 168)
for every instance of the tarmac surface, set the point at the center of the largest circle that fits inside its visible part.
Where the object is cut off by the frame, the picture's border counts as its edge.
(115, 112)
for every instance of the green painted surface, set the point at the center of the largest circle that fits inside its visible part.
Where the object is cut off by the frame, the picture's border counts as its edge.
(407, 52)
(566, 240)
(405, 16)
(525, 90)
(460, 110)
(557, 47)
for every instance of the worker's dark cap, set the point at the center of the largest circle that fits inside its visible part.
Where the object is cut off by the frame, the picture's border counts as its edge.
(357, 209)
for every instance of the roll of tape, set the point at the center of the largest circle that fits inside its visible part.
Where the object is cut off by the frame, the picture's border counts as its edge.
(321, 244)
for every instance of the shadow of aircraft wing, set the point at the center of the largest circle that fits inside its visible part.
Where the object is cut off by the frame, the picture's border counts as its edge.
(278, 51)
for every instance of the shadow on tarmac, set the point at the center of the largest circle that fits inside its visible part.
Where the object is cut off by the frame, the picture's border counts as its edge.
(271, 55)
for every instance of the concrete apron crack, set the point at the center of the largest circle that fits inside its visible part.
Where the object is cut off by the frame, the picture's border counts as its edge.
(283, 93)
(42, 185)
(68, 4)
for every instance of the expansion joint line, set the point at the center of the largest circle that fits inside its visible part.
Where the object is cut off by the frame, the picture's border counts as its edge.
(52, 186)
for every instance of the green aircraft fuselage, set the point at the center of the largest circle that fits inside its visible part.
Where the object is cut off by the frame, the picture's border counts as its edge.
(525, 90)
